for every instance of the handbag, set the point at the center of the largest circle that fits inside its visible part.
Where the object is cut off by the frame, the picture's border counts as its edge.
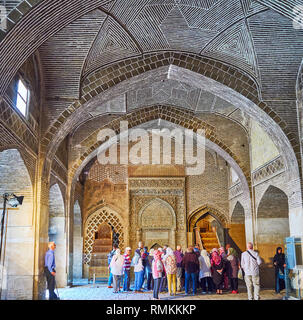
(240, 274)
(281, 275)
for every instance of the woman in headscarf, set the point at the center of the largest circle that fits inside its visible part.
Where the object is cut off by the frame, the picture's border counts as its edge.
(139, 270)
(217, 264)
(279, 264)
(157, 271)
(224, 257)
(150, 281)
(233, 269)
(116, 266)
(205, 272)
(170, 263)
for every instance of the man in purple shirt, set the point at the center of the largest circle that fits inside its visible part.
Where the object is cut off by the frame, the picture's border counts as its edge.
(50, 270)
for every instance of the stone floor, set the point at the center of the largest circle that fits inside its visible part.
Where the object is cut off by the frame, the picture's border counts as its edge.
(101, 292)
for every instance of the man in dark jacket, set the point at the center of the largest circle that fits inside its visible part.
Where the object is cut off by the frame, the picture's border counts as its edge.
(190, 262)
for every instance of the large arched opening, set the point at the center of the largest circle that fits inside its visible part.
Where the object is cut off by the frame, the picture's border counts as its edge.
(57, 232)
(272, 228)
(17, 260)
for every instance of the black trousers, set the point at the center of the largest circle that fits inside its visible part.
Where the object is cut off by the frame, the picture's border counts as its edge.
(163, 284)
(207, 281)
(234, 284)
(156, 289)
(149, 281)
(51, 283)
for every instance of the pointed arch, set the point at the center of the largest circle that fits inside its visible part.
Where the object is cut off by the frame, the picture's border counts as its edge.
(272, 228)
(238, 214)
(201, 211)
(19, 235)
(156, 203)
(77, 242)
(57, 231)
(104, 214)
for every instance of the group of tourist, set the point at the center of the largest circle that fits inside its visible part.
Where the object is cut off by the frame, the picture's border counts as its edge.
(164, 269)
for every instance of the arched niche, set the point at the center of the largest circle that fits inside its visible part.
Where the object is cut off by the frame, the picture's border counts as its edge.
(236, 231)
(77, 242)
(57, 232)
(215, 218)
(18, 240)
(157, 223)
(107, 215)
(272, 228)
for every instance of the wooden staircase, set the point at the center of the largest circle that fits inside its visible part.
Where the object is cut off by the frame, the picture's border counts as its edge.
(209, 240)
(102, 247)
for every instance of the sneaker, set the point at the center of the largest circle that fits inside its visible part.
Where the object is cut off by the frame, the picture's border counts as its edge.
(203, 292)
(109, 287)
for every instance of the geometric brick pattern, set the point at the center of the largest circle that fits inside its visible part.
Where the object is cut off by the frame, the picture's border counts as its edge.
(184, 118)
(270, 169)
(101, 80)
(92, 225)
(173, 24)
(21, 130)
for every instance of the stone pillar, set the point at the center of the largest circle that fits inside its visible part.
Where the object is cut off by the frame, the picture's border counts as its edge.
(190, 239)
(173, 237)
(139, 235)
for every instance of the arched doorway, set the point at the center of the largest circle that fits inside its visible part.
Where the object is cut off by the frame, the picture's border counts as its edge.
(104, 215)
(17, 261)
(77, 242)
(272, 228)
(236, 231)
(206, 227)
(57, 232)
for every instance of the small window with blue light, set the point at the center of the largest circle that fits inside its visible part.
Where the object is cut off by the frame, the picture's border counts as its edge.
(22, 97)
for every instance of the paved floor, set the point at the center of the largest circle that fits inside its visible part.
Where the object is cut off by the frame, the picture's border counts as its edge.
(101, 292)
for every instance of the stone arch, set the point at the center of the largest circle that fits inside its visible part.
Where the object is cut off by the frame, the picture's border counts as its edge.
(299, 92)
(28, 159)
(269, 200)
(19, 237)
(93, 221)
(57, 231)
(236, 235)
(238, 213)
(155, 246)
(171, 70)
(168, 114)
(220, 221)
(195, 215)
(272, 228)
(157, 223)
(172, 222)
(77, 241)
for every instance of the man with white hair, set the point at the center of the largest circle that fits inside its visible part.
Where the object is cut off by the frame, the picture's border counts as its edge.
(50, 270)
(250, 262)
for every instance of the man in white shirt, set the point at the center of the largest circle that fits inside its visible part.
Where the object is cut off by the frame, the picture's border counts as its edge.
(250, 262)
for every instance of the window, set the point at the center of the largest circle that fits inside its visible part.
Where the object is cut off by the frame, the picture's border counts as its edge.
(22, 97)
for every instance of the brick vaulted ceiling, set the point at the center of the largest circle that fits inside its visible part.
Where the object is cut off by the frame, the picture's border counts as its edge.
(77, 38)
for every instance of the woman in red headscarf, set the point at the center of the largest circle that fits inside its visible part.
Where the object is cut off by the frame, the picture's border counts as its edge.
(217, 265)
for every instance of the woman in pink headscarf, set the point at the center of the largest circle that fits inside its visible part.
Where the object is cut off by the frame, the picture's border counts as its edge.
(157, 271)
(217, 265)
(224, 257)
